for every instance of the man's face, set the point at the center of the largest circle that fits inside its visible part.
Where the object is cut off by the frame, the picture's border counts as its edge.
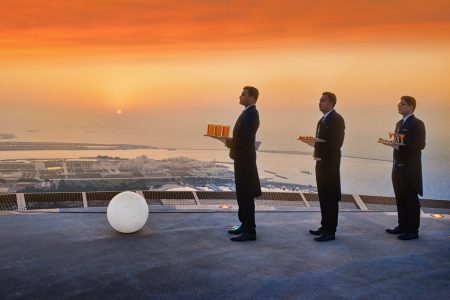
(325, 105)
(404, 108)
(245, 99)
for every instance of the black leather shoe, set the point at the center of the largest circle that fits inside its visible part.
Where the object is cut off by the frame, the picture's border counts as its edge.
(316, 232)
(243, 237)
(325, 237)
(235, 229)
(396, 230)
(408, 236)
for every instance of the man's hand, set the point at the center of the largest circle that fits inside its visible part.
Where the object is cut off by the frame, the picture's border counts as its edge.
(309, 142)
(220, 138)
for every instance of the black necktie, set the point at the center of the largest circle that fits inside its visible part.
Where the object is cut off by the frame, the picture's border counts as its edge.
(318, 126)
(241, 115)
(400, 125)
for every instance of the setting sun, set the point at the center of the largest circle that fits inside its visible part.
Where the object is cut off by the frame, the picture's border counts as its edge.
(182, 64)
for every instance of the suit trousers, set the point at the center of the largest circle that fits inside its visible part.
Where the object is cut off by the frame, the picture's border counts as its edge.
(329, 190)
(246, 212)
(408, 205)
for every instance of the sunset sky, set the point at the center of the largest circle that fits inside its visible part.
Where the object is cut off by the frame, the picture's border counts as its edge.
(170, 67)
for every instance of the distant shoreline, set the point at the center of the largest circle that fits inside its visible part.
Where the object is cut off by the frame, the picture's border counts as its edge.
(33, 146)
(46, 146)
(288, 152)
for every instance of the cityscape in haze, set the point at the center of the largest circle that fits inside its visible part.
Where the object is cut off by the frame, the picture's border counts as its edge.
(95, 77)
(107, 173)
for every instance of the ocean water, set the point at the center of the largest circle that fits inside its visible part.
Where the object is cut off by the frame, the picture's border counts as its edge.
(358, 175)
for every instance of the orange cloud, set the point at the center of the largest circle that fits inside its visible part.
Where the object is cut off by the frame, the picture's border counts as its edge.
(81, 26)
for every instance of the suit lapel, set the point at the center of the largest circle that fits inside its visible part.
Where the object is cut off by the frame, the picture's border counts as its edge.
(239, 121)
(323, 122)
(245, 112)
(329, 117)
(408, 121)
(403, 126)
(397, 126)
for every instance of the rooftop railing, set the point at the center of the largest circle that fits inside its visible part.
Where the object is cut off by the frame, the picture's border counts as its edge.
(33, 201)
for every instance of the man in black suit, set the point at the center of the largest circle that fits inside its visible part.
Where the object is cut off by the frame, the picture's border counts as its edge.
(243, 152)
(407, 170)
(328, 160)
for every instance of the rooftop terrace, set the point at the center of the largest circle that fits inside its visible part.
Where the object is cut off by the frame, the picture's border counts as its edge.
(60, 246)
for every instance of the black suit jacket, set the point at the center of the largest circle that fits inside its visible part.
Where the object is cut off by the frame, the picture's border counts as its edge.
(410, 155)
(332, 130)
(242, 151)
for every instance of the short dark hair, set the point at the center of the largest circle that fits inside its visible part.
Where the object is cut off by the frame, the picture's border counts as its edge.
(410, 101)
(331, 97)
(252, 91)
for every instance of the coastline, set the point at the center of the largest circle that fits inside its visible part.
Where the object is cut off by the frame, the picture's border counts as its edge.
(62, 146)
(359, 175)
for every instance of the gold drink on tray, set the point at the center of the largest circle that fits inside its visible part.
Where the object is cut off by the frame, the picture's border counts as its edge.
(218, 130)
(306, 138)
(395, 140)
(210, 130)
(226, 130)
(391, 136)
(309, 139)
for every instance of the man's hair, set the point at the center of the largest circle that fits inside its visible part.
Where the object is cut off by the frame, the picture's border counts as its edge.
(331, 97)
(252, 91)
(410, 101)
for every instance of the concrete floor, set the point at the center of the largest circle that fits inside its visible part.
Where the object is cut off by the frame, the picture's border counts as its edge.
(188, 255)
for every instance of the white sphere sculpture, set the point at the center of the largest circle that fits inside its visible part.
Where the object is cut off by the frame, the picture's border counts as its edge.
(127, 212)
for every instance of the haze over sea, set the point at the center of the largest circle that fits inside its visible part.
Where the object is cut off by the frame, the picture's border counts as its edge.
(366, 166)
